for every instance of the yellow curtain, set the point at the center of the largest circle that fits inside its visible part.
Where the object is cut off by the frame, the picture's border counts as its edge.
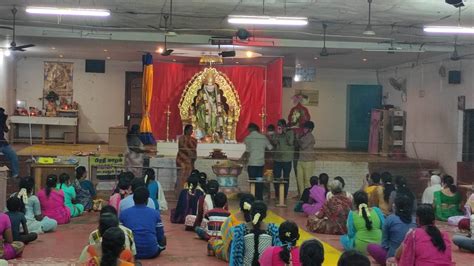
(147, 91)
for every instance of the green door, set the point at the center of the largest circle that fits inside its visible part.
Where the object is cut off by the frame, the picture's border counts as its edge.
(361, 99)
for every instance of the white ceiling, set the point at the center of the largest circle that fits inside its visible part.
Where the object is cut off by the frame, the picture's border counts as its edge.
(127, 31)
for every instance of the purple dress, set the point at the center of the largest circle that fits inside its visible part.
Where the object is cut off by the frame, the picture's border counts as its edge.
(317, 198)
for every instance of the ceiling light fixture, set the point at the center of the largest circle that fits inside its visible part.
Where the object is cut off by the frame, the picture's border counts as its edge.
(316, 58)
(160, 50)
(7, 52)
(267, 20)
(364, 59)
(61, 55)
(368, 29)
(105, 50)
(68, 11)
(449, 29)
(108, 57)
(53, 48)
(249, 54)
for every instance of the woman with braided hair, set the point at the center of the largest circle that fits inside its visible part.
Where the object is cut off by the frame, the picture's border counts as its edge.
(288, 253)
(220, 247)
(364, 225)
(251, 239)
(425, 245)
(187, 201)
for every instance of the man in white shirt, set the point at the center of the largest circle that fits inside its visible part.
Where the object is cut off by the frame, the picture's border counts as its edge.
(255, 146)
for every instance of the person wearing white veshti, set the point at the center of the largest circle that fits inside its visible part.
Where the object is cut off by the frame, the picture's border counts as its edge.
(428, 194)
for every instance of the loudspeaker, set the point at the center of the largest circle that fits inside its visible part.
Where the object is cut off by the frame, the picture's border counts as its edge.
(95, 66)
(455, 3)
(227, 53)
(454, 77)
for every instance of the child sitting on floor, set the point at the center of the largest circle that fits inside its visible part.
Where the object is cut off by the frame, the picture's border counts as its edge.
(215, 218)
(17, 218)
(288, 253)
(124, 189)
(305, 195)
(205, 203)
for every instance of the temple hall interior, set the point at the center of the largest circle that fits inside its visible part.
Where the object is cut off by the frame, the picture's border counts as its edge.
(236, 132)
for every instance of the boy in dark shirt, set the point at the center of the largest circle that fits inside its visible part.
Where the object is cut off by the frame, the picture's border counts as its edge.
(14, 206)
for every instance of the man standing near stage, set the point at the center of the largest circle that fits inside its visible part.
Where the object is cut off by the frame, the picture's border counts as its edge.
(284, 143)
(187, 155)
(255, 146)
(5, 148)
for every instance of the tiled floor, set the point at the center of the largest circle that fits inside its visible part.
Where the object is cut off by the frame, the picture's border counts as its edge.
(183, 248)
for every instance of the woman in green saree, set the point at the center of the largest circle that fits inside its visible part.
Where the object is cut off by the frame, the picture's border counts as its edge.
(447, 202)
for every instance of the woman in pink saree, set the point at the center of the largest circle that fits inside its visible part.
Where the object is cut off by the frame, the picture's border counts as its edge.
(425, 245)
(317, 196)
(52, 201)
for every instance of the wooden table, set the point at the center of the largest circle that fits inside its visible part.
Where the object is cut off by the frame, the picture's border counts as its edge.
(281, 189)
(45, 123)
(41, 171)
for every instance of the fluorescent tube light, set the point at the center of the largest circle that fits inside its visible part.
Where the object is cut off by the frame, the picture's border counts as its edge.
(266, 20)
(68, 11)
(449, 29)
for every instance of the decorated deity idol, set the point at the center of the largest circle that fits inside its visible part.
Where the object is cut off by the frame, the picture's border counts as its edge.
(209, 107)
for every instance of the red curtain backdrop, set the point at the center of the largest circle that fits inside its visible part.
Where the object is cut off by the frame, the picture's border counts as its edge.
(274, 91)
(170, 80)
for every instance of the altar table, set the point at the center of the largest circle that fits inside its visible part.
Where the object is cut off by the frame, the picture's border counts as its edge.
(234, 151)
(45, 122)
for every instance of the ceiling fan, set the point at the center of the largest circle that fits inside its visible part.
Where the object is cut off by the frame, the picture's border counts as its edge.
(324, 51)
(454, 56)
(394, 49)
(13, 45)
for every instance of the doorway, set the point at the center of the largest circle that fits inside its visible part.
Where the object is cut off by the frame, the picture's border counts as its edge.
(468, 136)
(361, 99)
(133, 98)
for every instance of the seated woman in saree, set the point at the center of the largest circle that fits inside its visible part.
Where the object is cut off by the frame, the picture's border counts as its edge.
(317, 196)
(447, 202)
(187, 201)
(35, 220)
(52, 201)
(425, 245)
(364, 225)
(69, 195)
(332, 217)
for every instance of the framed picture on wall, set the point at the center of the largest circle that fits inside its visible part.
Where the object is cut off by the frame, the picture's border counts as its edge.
(461, 103)
(310, 97)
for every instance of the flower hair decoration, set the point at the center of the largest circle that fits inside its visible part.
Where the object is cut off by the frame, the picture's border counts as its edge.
(256, 218)
(247, 206)
(361, 207)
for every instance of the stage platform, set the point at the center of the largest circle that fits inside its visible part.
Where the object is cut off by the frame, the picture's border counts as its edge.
(352, 166)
